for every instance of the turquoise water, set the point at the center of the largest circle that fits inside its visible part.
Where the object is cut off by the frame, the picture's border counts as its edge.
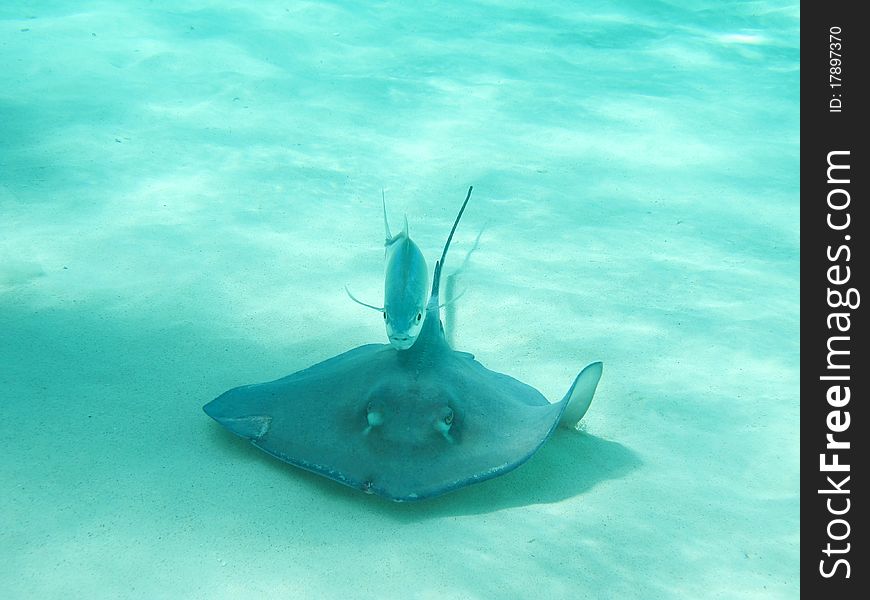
(185, 189)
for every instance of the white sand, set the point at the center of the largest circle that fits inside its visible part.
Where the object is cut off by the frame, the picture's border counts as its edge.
(185, 191)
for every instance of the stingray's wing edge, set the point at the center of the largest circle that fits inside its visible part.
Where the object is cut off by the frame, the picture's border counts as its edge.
(573, 407)
(580, 394)
(496, 471)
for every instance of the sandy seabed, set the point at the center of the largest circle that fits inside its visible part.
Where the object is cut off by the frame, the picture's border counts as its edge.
(186, 188)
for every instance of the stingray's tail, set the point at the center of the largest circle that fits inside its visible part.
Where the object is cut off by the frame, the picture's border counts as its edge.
(436, 279)
(580, 394)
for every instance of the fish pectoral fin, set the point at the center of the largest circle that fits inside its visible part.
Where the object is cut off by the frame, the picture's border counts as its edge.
(454, 298)
(580, 394)
(352, 297)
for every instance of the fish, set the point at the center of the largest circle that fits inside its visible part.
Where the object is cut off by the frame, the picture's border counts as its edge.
(405, 425)
(406, 287)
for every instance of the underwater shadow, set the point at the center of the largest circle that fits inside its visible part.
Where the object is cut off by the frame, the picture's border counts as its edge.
(569, 464)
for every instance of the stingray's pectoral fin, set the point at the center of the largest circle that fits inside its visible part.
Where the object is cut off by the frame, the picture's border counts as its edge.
(352, 297)
(251, 427)
(580, 394)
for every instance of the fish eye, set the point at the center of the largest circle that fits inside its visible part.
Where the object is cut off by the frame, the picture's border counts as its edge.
(419, 316)
(448, 419)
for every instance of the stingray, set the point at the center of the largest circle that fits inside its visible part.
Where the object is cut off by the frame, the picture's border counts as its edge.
(403, 424)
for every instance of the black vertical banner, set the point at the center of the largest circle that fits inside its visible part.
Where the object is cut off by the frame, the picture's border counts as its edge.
(834, 370)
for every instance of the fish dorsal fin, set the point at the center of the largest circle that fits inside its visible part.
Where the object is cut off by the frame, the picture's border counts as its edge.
(436, 279)
(389, 236)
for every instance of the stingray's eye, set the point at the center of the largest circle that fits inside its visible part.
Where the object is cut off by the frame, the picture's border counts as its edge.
(443, 423)
(373, 415)
(419, 317)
